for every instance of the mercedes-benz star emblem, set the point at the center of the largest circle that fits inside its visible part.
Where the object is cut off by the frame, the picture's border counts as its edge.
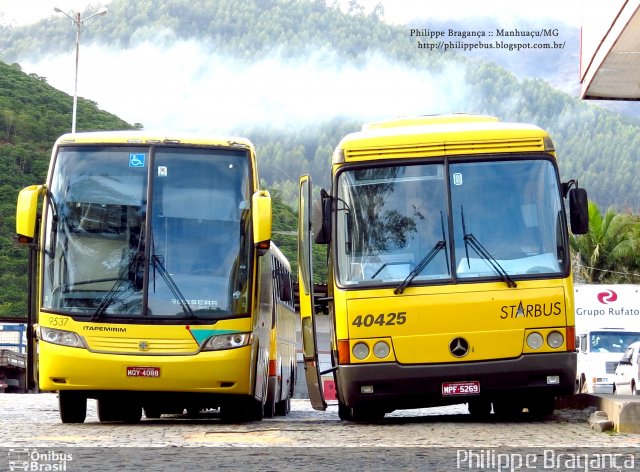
(459, 347)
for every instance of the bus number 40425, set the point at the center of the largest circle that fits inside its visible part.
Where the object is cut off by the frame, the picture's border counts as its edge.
(383, 319)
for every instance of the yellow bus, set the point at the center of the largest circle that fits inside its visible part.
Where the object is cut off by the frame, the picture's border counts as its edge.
(283, 346)
(449, 274)
(154, 284)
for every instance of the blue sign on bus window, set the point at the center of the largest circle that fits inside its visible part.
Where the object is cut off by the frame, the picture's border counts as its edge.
(136, 160)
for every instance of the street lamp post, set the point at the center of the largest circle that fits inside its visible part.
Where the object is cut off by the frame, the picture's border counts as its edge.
(78, 22)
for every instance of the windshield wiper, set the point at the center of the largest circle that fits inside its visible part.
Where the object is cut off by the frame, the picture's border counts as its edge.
(471, 240)
(420, 267)
(156, 260)
(157, 264)
(111, 294)
(440, 245)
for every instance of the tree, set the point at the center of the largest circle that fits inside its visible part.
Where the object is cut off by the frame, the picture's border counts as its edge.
(605, 251)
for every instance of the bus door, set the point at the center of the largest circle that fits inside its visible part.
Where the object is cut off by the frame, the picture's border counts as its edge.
(307, 302)
(27, 227)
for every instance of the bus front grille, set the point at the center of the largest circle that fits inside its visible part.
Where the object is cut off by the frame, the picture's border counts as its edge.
(151, 346)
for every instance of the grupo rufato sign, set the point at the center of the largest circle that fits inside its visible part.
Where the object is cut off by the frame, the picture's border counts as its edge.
(607, 306)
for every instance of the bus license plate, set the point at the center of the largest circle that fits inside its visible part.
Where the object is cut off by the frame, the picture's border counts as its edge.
(143, 371)
(471, 387)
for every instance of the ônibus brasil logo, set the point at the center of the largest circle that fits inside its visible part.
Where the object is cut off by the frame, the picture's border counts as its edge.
(608, 296)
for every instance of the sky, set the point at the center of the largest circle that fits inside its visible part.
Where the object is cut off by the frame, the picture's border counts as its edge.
(396, 11)
(204, 92)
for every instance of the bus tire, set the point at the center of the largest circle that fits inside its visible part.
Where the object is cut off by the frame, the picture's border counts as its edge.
(507, 409)
(132, 413)
(240, 411)
(269, 408)
(344, 412)
(542, 407)
(72, 406)
(230, 413)
(254, 410)
(283, 407)
(366, 414)
(152, 411)
(479, 408)
(107, 410)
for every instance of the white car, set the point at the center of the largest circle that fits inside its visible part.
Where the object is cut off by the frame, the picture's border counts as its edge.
(628, 371)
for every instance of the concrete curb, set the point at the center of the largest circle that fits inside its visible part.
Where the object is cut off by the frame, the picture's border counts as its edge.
(622, 410)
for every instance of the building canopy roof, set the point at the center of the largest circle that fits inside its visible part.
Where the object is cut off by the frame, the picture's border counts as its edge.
(610, 50)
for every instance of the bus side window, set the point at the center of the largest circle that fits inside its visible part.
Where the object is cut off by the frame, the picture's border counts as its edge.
(284, 286)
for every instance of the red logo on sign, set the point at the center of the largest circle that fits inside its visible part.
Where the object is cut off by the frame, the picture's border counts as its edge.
(608, 296)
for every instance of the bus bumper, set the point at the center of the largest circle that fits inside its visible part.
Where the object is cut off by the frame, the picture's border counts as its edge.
(66, 368)
(391, 386)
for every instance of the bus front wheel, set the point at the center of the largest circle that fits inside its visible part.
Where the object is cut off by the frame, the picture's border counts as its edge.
(72, 406)
(344, 412)
(358, 414)
(238, 411)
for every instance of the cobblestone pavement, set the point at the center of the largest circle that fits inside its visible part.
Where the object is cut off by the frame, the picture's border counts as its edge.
(32, 421)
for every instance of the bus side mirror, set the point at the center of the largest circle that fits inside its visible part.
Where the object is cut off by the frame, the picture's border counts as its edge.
(323, 236)
(577, 342)
(261, 219)
(578, 211)
(27, 213)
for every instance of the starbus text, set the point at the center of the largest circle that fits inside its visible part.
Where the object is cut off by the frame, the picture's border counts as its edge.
(535, 310)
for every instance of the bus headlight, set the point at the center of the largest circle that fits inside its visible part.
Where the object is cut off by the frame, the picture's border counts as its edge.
(535, 341)
(360, 351)
(555, 339)
(381, 349)
(227, 341)
(63, 338)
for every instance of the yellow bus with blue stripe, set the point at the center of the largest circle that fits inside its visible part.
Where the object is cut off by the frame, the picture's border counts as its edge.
(152, 278)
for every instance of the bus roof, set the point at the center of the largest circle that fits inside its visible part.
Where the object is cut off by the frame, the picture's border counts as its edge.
(429, 120)
(440, 135)
(149, 137)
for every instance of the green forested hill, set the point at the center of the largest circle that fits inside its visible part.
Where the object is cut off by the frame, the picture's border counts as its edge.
(596, 146)
(32, 116)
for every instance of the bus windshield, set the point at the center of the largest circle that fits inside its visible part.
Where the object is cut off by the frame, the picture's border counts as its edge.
(393, 222)
(612, 341)
(136, 232)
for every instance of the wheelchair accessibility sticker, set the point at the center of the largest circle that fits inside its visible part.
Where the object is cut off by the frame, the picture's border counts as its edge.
(136, 160)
